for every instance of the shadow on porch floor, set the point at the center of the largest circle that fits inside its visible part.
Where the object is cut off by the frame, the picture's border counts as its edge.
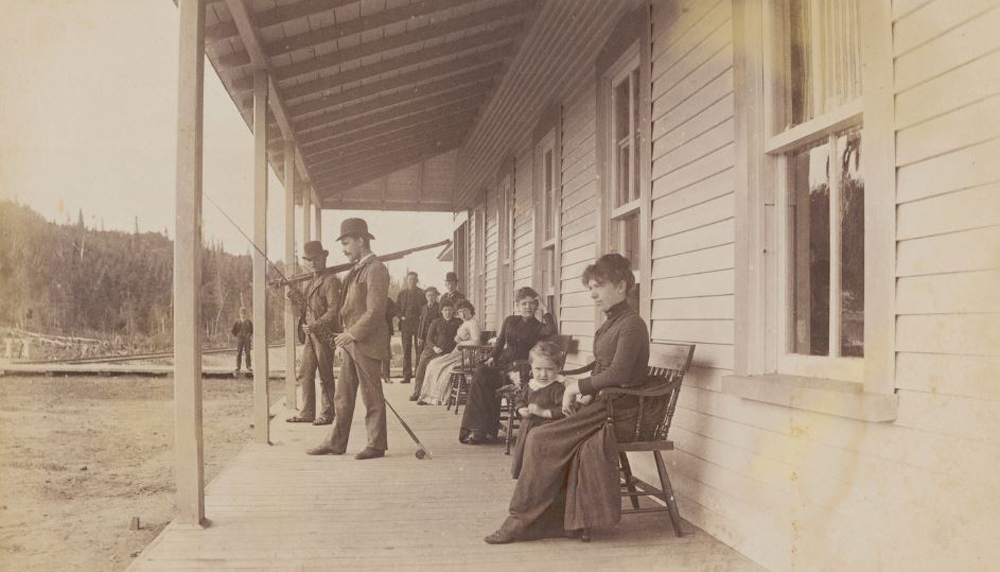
(275, 508)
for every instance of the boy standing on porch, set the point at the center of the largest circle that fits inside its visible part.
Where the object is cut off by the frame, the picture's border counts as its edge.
(361, 345)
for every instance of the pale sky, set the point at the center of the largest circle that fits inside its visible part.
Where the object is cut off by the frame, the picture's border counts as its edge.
(88, 121)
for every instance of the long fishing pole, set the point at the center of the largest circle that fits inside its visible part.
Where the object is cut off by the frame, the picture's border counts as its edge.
(250, 240)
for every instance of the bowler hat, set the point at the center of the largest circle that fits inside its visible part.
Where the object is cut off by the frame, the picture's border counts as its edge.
(451, 277)
(313, 249)
(354, 227)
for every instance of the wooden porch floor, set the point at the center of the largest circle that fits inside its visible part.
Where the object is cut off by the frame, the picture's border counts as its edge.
(275, 508)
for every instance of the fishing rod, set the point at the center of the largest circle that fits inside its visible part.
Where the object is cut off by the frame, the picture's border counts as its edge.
(250, 240)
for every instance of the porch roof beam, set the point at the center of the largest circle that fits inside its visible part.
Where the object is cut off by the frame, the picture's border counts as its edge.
(385, 163)
(477, 41)
(395, 129)
(249, 35)
(469, 99)
(276, 16)
(322, 161)
(332, 33)
(333, 166)
(435, 95)
(451, 70)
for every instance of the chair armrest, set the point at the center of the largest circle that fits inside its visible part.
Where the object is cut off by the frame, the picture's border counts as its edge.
(648, 390)
(584, 369)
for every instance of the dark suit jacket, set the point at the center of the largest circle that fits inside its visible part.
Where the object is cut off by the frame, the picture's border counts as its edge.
(362, 310)
(410, 303)
(323, 304)
(243, 329)
(442, 334)
(427, 316)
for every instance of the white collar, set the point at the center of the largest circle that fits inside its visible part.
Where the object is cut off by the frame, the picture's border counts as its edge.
(364, 259)
(535, 386)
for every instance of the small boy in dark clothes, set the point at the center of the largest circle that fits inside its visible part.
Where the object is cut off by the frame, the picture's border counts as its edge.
(541, 398)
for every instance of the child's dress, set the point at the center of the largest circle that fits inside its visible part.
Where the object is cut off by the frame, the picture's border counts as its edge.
(548, 398)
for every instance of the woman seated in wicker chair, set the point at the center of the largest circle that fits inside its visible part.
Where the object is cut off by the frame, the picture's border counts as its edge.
(519, 333)
(569, 480)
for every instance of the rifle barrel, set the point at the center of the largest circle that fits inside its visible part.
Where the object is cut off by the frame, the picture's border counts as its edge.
(347, 265)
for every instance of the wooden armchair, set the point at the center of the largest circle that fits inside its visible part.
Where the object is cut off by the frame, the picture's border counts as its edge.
(657, 402)
(472, 358)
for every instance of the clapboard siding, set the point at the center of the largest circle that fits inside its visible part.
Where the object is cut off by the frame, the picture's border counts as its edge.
(578, 218)
(524, 220)
(492, 260)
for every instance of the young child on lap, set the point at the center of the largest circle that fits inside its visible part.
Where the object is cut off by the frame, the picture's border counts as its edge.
(541, 398)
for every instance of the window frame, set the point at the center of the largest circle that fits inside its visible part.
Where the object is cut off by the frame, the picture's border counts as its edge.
(630, 41)
(762, 303)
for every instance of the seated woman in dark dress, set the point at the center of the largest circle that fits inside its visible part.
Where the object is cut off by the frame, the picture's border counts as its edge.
(518, 335)
(569, 476)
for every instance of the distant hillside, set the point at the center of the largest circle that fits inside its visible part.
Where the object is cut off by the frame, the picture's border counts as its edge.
(70, 280)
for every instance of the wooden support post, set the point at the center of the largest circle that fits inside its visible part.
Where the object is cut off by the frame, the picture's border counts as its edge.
(188, 444)
(290, 312)
(261, 403)
(306, 216)
(319, 221)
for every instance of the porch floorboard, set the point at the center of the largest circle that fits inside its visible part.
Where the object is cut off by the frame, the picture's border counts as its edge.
(275, 508)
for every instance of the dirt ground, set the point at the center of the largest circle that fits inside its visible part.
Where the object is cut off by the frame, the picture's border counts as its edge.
(80, 456)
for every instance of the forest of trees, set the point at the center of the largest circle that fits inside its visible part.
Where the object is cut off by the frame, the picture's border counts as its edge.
(67, 279)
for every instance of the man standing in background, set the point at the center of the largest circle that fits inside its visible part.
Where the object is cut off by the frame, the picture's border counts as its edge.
(411, 301)
(452, 295)
(243, 331)
(430, 312)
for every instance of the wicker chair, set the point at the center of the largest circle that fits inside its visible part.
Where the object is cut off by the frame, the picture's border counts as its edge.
(472, 358)
(657, 402)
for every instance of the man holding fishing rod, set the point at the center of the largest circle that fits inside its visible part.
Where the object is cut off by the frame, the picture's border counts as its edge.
(318, 321)
(361, 345)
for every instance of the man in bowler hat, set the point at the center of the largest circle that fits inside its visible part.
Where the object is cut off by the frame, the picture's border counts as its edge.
(320, 318)
(452, 295)
(361, 345)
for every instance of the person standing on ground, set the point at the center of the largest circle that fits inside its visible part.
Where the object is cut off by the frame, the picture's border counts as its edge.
(243, 331)
(411, 301)
(318, 321)
(361, 345)
(452, 295)
(430, 312)
(390, 312)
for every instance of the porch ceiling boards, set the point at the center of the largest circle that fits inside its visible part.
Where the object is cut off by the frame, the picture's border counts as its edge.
(364, 88)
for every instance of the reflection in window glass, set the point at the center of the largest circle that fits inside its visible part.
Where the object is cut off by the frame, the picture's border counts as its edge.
(809, 206)
(852, 231)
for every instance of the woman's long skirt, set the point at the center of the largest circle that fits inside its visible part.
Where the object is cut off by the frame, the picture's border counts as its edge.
(569, 475)
(482, 410)
(435, 389)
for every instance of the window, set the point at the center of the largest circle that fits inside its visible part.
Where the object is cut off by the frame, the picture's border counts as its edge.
(505, 214)
(815, 133)
(625, 192)
(548, 209)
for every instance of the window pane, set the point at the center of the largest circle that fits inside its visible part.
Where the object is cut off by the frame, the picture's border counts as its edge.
(630, 239)
(823, 57)
(549, 208)
(635, 135)
(809, 206)
(852, 229)
(622, 186)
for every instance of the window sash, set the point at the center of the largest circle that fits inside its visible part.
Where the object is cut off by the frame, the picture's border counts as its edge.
(833, 365)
